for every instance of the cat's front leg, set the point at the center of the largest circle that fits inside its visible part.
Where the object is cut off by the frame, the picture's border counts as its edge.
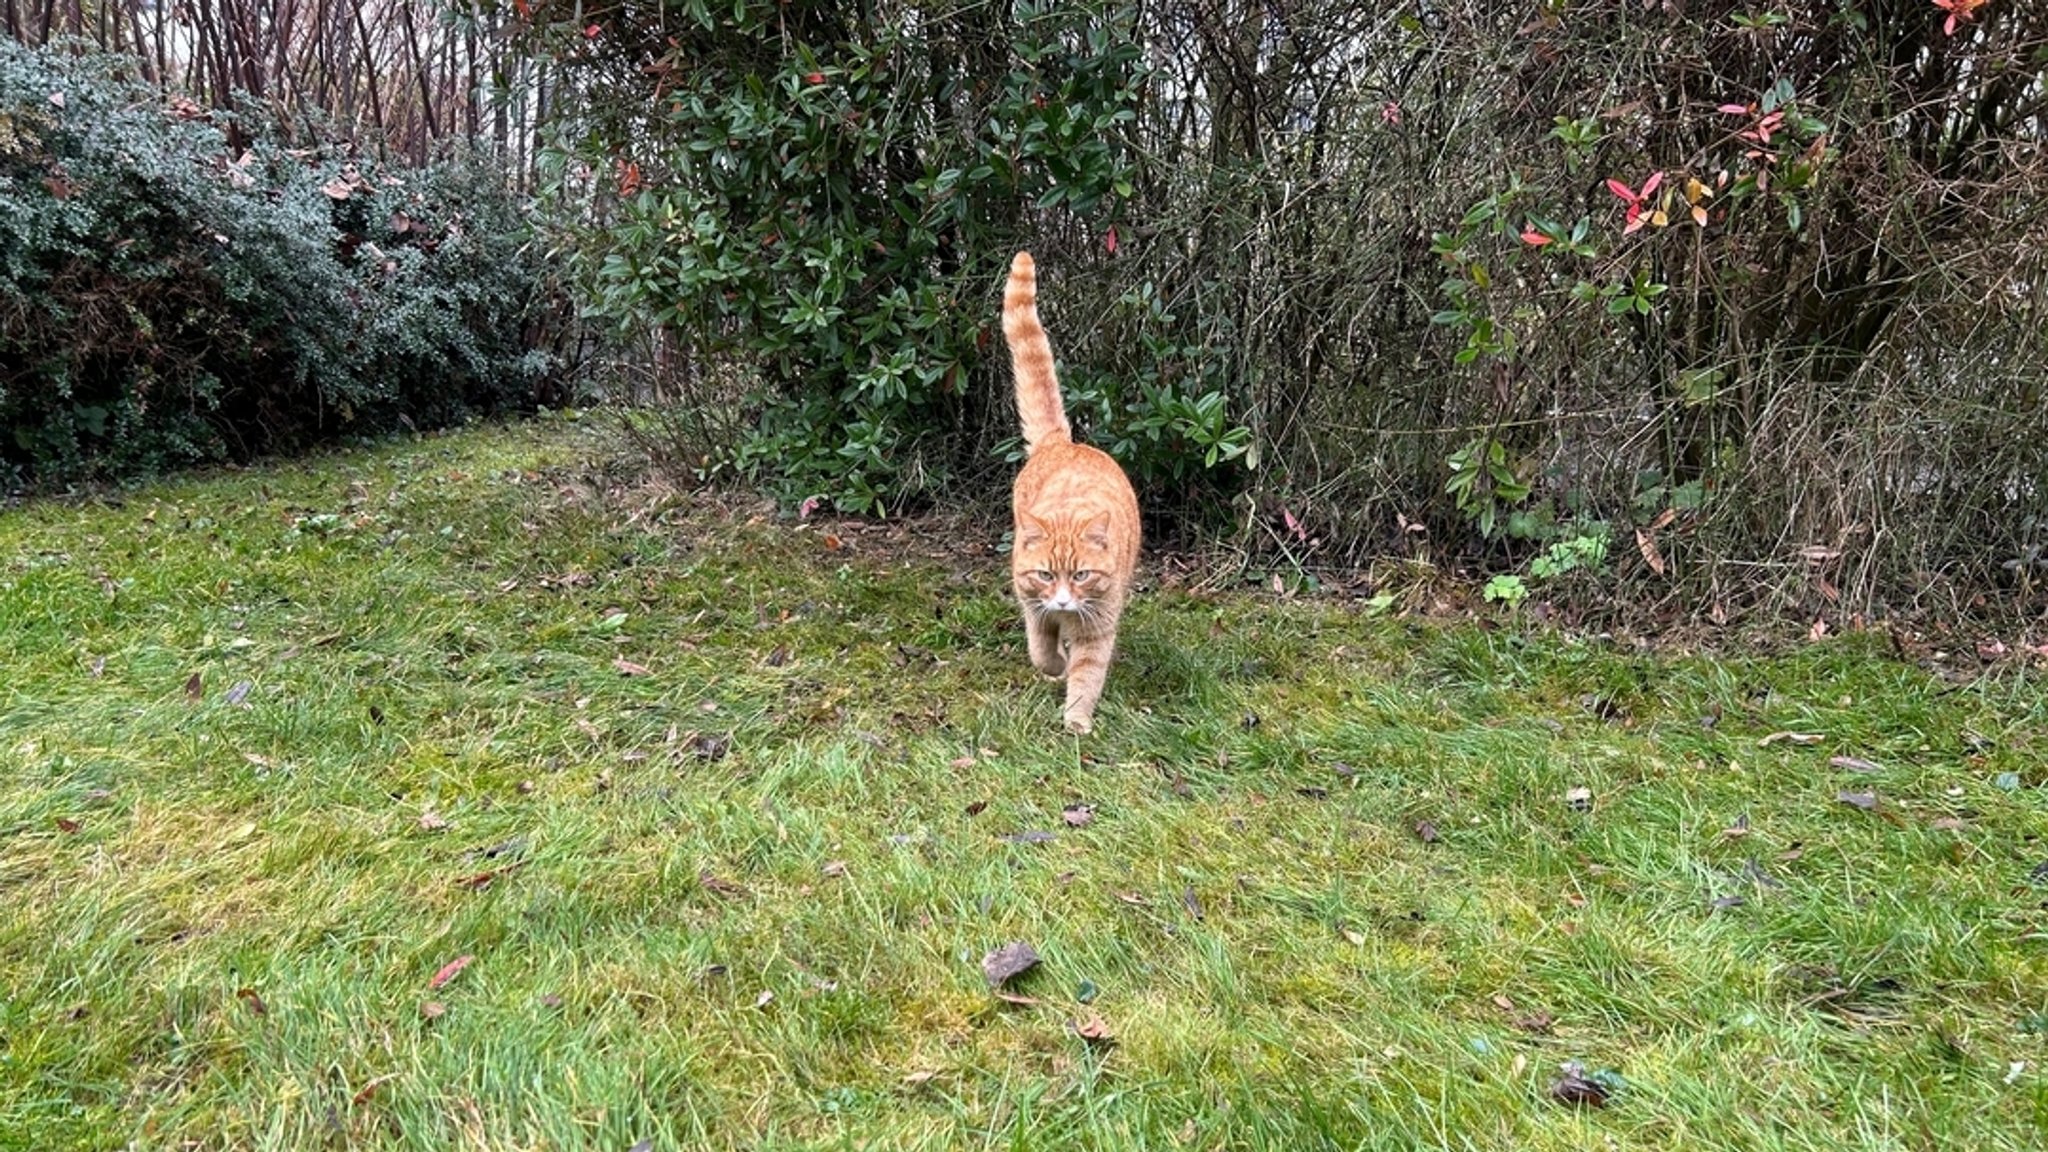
(1087, 670)
(1042, 639)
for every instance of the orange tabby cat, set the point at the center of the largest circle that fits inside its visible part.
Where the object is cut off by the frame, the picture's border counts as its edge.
(1077, 520)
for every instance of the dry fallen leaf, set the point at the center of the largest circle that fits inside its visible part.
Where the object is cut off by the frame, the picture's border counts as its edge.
(1094, 1029)
(1853, 764)
(194, 688)
(1790, 737)
(370, 1087)
(1078, 815)
(255, 1002)
(450, 970)
(1864, 800)
(67, 825)
(835, 868)
(629, 668)
(1579, 799)
(1425, 832)
(766, 998)
(919, 1077)
(433, 1009)
(1574, 1087)
(1008, 962)
(432, 821)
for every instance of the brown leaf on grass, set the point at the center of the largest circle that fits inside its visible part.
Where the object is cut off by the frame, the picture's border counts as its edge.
(370, 1087)
(1426, 832)
(194, 688)
(1094, 1029)
(1536, 1023)
(835, 868)
(977, 808)
(712, 746)
(1867, 801)
(433, 1009)
(1853, 764)
(255, 1002)
(450, 970)
(1739, 829)
(67, 825)
(477, 881)
(1790, 738)
(629, 668)
(1949, 824)
(432, 821)
(1191, 902)
(1078, 815)
(719, 885)
(1008, 962)
(922, 1076)
(961, 762)
(779, 657)
(1019, 1000)
(1577, 1089)
(1135, 899)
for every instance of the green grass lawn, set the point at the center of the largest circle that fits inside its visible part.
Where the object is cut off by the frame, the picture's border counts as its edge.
(727, 818)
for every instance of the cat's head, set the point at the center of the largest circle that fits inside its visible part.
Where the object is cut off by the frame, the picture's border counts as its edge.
(1063, 566)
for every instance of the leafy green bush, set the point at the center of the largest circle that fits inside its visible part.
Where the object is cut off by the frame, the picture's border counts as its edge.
(178, 286)
(832, 197)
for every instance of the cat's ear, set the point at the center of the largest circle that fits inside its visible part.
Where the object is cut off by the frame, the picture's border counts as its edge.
(1031, 531)
(1096, 532)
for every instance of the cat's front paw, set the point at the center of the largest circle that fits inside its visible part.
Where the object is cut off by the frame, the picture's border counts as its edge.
(1079, 724)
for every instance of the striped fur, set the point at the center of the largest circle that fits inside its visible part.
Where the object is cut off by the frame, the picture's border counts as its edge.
(1039, 408)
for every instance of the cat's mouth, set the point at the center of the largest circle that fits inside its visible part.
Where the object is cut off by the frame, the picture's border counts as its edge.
(1041, 606)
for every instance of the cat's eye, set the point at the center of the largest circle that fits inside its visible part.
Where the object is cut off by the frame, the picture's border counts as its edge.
(1082, 575)
(1044, 575)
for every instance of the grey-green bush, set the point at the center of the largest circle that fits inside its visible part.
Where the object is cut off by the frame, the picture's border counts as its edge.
(180, 286)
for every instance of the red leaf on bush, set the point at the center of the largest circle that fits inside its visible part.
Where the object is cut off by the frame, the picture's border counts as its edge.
(591, 32)
(1533, 238)
(1622, 190)
(450, 970)
(1109, 240)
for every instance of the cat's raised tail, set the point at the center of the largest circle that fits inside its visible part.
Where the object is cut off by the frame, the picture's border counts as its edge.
(1039, 408)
